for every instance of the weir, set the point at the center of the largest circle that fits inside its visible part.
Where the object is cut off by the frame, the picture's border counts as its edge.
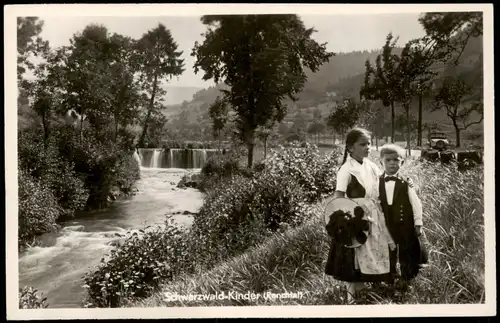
(173, 157)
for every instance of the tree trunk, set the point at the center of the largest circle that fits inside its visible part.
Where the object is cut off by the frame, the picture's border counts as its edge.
(457, 134)
(116, 129)
(81, 128)
(45, 128)
(393, 118)
(408, 132)
(250, 146)
(419, 136)
(376, 143)
(265, 148)
(150, 110)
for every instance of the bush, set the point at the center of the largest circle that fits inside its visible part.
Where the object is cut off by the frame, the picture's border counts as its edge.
(105, 167)
(29, 299)
(315, 173)
(38, 208)
(144, 260)
(127, 172)
(43, 161)
(219, 167)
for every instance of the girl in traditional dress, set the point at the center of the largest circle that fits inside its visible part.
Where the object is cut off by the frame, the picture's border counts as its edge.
(358, 180)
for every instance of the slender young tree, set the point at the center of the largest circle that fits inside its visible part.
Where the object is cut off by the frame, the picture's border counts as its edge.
(454, 96)
(381, 81)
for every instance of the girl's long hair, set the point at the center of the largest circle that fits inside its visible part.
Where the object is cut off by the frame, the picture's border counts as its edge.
(352, 136)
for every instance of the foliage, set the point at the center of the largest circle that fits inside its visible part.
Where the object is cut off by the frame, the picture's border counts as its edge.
(452, 30)
(373, 118)
(313, 171)
(225, 165)
(219, 114)
(28, 42)
(453, 96)
(262, 65)
(30, 299)
(143, 261)
(38, 208)
(45, 164)
(344, 116)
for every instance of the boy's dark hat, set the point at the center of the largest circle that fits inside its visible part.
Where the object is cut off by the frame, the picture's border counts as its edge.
(346, 205)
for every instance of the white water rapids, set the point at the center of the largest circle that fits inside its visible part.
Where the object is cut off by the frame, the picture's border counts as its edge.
(57, 266)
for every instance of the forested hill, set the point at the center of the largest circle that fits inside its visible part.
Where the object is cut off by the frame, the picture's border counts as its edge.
(341, 67)
(340, 78)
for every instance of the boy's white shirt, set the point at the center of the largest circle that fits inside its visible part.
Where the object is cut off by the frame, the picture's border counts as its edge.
(416, 205)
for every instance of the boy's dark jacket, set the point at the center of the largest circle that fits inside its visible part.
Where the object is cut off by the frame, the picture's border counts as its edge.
(399, 219)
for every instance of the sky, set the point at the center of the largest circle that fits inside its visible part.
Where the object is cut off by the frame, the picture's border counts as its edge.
(343, 33)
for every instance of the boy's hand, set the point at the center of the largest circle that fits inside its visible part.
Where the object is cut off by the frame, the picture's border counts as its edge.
(410, 182)
(418, 230)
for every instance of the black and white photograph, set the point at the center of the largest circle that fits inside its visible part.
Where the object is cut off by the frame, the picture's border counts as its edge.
(249, 160)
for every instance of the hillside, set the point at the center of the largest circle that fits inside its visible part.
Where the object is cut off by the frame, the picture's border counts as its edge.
(341, 77)
(177, 94)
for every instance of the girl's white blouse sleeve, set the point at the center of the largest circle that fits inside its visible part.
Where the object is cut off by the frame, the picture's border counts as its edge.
(343, 178)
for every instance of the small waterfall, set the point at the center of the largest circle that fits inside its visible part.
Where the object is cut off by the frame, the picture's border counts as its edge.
(157, 159)
(174, 157)
(137, 158)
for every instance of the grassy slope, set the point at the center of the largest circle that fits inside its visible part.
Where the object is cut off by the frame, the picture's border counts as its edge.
(294, 260)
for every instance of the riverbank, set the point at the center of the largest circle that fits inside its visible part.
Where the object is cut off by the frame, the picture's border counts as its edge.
(56, 267)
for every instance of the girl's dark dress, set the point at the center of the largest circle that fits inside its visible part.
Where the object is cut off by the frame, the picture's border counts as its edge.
(340, 263)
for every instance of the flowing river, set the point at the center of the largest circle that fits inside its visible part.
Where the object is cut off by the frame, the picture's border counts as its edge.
(57, 266)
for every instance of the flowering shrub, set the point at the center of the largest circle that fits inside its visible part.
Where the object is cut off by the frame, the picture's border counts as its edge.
(139, 265)
(29, 299)
(314, 172)
(219, 167)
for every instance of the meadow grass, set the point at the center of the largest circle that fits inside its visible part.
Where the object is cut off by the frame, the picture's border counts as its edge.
(294, 260)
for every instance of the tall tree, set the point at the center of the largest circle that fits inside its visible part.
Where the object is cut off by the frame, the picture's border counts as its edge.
(28, 42)
(262, 64)
(381, 81)
(455, 97)
(159, 60)
(451, 31)
(87, 77)
(124, 89)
